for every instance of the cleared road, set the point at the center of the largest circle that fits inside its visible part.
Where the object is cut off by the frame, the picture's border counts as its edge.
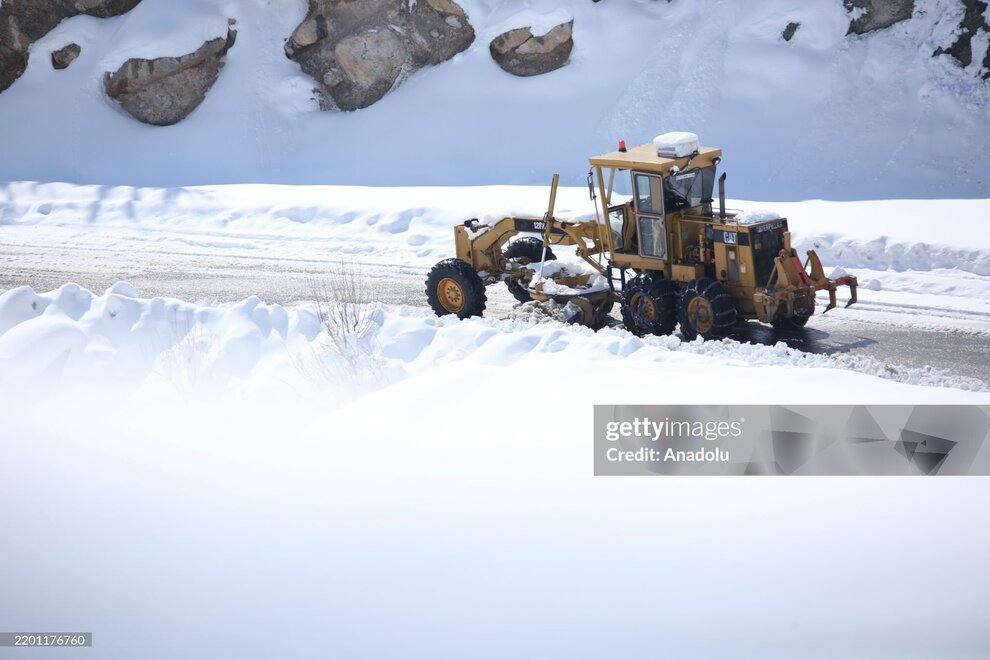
(226, 277)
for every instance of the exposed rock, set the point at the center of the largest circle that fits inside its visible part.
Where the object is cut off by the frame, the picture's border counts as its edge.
(877, 14)
(522, 54)
(22, 22)
(789, 31)
(359, 50)
(63, 57)
(165, 90)
(973, 21)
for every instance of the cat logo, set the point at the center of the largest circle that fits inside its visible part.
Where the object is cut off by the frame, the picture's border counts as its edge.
(729, 237)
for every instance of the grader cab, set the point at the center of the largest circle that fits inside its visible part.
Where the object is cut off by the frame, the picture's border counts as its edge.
(657, 245)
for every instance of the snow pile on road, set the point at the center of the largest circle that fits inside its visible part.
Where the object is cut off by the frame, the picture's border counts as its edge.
(250, 349)
(542, 312)
(825, 114)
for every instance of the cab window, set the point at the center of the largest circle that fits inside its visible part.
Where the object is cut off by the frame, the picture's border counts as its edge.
(617, 223)
(648, 193)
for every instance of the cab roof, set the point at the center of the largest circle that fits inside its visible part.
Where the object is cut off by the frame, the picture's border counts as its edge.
(644, 157)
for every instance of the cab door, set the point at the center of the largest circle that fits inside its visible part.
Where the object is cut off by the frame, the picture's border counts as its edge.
(651, 225)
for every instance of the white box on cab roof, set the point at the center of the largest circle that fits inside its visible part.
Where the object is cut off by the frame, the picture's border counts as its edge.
(676, 144)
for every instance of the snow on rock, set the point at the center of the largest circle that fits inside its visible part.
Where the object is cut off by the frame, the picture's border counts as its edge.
(21, 25)
(522, 53)
(163, 91)
(358, 52)
(788, 115)
(870, 15)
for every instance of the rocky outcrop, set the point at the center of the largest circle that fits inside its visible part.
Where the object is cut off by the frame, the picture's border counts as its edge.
(22, 22)
(877, 14)
(359, 50)
(165, 90)
(974, 20)
(63, 57)
(521, 53)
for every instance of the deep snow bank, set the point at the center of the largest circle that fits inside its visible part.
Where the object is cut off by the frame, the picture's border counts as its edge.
(470, 481)
(249, 349)
(424, 520)
(824, 115)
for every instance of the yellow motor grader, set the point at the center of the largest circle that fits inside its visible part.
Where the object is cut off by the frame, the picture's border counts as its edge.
(656, 246)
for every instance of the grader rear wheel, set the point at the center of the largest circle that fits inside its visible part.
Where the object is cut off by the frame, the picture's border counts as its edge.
(453, 287)
(706, 309)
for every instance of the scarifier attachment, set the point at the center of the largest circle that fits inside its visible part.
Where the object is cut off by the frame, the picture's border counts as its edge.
(790, 282)
(821, 282)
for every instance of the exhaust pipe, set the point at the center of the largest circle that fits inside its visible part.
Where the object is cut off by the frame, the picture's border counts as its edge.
(721, 196)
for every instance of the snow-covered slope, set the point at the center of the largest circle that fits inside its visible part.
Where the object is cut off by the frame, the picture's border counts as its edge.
(824, 115)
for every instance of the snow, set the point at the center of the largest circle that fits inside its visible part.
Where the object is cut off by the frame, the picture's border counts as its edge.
(372, 543)
(117, 340)
(202, 459)
(566, 269)
(756, 215)
(539, 17)
(415, 225)
(824, 116)
(926, 274)
(402, 485)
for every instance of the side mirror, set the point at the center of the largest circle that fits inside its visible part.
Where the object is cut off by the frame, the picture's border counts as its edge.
(591, 185)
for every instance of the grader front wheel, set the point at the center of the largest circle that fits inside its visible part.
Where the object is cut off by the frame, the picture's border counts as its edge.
(804, 309)
(453, 287)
